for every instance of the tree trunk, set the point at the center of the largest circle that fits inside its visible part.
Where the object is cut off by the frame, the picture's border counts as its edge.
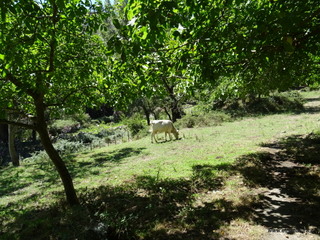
(42, 129)
(12, 150)
(65, 176)
(174, 106)
(167, 112)
(175, 110)
(146, 113)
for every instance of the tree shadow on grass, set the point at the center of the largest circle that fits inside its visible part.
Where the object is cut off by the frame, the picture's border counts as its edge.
(117, 155)
(91, 165)
(15, 179)
(191, 208)
(312, 108)
(290, 170)
(145, 208)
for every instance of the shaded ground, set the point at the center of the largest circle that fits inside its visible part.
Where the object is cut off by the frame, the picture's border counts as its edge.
(289, 170)
(271, 194)
(291, 205)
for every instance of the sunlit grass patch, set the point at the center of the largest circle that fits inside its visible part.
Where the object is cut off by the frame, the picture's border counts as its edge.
(241, 229)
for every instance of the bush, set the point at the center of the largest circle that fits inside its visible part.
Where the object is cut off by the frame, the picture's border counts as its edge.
(63, 126)
(66, 147)
(39, 157)
(135, 125)
(203, 120)
(278, 102)
(85, 137)
(82, 118)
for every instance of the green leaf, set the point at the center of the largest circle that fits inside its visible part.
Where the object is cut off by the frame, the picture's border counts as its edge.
(143, 33)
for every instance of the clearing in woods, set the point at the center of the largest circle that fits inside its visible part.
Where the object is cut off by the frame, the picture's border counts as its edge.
(254, 178)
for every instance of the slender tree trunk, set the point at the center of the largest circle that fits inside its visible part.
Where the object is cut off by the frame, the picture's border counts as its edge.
(42, 129)
(175, 110)
(146, 113)
(60, 166)
(12, 149)
(167, 112)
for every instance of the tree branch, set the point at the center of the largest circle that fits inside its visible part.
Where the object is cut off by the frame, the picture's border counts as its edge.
(19, 124)
(55, 19)
(19, 84)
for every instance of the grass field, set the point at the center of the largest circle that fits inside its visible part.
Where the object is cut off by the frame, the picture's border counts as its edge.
(206, 185)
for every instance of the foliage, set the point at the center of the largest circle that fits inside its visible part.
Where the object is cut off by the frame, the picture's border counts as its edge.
(275, 103)
(51, 64)
(254, 47)
(204, 119)
(135, 125)
(164, 52)
(63, 126)
(53, 52)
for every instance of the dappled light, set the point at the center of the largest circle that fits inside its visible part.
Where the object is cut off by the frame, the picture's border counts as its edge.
(116, 156)
(198, 207)
(272, 189)
(290, 170)
(312, 105)
(85, 84)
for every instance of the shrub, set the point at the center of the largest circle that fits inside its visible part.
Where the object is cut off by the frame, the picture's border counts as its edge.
(82, 118)
(135, 125)
(66, 147)
(278, 102)
(85, 137)
(39, 157)
(63, 126)
(203, 120)
(188, 121)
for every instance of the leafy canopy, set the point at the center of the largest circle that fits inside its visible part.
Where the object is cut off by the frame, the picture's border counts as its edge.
(258, 46)
(49, 48)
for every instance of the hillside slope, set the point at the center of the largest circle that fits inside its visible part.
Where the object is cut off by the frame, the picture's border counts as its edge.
(255, 178)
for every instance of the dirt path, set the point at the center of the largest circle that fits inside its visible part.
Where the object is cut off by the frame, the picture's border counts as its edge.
(289, 207)
(285, 213)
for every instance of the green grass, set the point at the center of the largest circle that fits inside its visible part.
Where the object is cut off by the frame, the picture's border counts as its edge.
(192, 188)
